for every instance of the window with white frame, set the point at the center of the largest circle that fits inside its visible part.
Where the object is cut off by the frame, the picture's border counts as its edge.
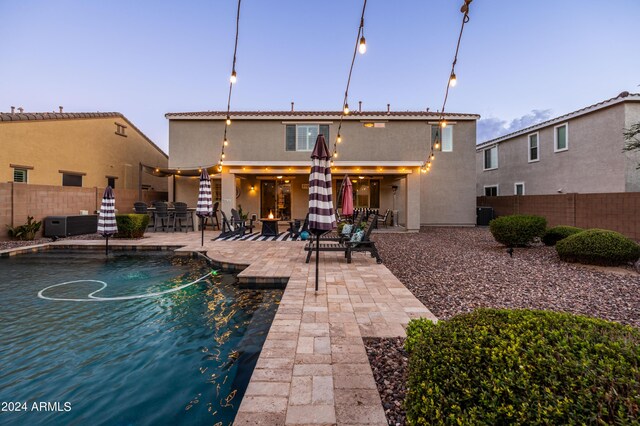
(302, 137)
(561, 137)
(20, 175)
(444, 136)
(491, 158)
(534, 151)
(518, 188)
(491, 191)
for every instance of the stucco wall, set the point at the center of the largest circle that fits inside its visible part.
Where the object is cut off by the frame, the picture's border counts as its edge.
(593, 163)
(446, 194)
(80, 145)
(632, 158)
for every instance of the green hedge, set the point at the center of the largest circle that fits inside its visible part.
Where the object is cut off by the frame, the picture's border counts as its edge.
(557, 233)
(517, 230)
(522, 367)
(131, 225)
(598, 247)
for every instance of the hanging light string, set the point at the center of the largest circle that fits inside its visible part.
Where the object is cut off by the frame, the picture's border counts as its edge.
(442, 122)
(232, 80)
(361, 45)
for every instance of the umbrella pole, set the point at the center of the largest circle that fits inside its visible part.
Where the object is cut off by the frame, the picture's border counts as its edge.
(202, 229)
(107, 247)
(317, 258)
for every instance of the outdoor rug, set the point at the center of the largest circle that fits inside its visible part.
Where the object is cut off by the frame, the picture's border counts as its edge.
(255, 236)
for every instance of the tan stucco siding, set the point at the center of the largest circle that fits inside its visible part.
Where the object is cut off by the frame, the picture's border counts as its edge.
(88, 146)
(632, 158)
(593, 162)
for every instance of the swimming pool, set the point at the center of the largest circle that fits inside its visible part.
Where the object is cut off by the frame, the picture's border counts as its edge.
(183, 357)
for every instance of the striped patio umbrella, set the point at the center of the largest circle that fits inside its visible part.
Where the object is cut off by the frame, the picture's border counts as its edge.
(107, 225)
(347, 196)
(204, 208)
(321, 215)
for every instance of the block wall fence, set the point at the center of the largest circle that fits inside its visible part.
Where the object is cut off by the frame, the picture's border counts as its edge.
(18, 201)
(616, 211)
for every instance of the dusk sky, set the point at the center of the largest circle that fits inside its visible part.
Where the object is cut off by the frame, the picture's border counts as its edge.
(519, 61)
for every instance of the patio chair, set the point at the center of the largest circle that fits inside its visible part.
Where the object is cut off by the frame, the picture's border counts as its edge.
(297, 227)
(162, 215)
(141, 208)
(229, 229)
(341, 237)
(181, 214)
(351, 246)
(236, 219)
(383, 220)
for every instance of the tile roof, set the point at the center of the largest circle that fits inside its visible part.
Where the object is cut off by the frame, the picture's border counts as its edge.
(622, 97)
(41, 116)
(327, 114)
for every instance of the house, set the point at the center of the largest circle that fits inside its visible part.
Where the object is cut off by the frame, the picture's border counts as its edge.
(580, 152)
(267, 161)
(86, 149)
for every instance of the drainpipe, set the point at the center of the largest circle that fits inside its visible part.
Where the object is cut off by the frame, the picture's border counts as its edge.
(139, 181)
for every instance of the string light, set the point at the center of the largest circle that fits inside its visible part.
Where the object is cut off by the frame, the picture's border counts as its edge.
(232, 80)
(361, 46)
(453, 80)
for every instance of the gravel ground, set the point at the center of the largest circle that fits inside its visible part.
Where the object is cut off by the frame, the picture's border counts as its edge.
(5, 245)
(455, 270)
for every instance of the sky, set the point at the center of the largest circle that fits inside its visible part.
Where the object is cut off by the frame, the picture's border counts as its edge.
(520, 62)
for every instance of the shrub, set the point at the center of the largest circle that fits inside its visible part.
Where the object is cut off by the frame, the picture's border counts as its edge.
(517, 230)
(557, 233)
(131, 225)
(522, 367)
(598, 247)
(25, 232)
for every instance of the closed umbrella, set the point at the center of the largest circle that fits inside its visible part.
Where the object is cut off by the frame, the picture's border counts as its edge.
(107, 225)
(347, 196)
(204, 207)
(321, 216)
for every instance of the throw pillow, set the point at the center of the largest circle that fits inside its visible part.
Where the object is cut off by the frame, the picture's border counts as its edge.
(357, 236)
(346, 229)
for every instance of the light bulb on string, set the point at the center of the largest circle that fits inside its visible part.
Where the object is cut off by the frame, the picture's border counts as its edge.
(362, 47)
(345, 110)
(436, 145)
(433, 157)
(222, 156)
(335, 154)
(234, 77)
(339, 138)
(228, 121)
(443, 123)
(453, 80)
(226, 142)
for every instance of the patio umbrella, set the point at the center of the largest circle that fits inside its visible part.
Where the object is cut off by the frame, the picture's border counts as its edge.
(347, 196)
(321, 216)
(107, 225)
(204, 207)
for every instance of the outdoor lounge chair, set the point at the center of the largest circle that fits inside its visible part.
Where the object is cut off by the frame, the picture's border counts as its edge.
(296, 227)
(349, 247)
(236, 220)
(341, 237)
(231, 229)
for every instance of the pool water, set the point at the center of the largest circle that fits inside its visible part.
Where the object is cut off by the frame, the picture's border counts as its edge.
(184, 357)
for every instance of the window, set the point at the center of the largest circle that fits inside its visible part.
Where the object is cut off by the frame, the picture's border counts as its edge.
(561, 138)
(491, 158)
(443, 136)
(366, 192)
(518, 188)
(111, 181)
(533, 147)
(71, 179)
(491, 191)
(302, 137)
(217, 190)
(20, 175)
(120, 129)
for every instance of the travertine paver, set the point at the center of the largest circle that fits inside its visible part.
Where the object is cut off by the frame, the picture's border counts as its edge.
(313, 368)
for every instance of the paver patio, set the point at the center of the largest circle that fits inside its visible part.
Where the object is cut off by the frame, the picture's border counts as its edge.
(313, 368)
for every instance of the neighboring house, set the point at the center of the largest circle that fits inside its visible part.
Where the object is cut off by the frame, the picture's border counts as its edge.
(580, 152)
(267, 162)
(93, 149)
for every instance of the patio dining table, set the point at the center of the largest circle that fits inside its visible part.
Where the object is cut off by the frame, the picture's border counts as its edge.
(172, 209)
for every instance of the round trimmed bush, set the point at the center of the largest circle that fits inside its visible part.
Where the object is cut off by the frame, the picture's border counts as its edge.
(557, 233)
(522, 367)
(131, 225)
(517, 230)
(598, 247)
